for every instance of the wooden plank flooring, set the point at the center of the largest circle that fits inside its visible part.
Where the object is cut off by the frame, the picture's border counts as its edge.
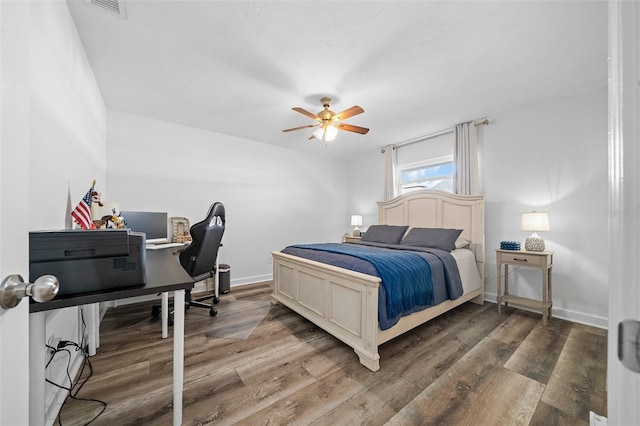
(260, 364)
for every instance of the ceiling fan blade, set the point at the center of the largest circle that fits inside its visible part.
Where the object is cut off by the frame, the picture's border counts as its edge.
(350, 112)
(298, 128)
(311, 137)
(305, 112)
(352, 128)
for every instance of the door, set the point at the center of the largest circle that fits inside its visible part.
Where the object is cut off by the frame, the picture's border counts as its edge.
(14, 186)
(624, 203)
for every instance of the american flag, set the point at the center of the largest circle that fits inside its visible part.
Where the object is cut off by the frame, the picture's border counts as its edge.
(82, 213)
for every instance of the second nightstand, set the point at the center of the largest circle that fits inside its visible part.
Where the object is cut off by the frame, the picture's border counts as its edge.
(351, 239)
(542, 260)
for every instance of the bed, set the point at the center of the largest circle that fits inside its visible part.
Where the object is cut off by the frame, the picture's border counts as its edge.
(344, 302)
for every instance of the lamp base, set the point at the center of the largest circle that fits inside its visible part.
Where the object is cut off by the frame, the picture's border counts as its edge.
(534, 244)
(356, 232)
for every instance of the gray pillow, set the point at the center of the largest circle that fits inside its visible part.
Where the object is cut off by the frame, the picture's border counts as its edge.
(438, 238)
(389, 234)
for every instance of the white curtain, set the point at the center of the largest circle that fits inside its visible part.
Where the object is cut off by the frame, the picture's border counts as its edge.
(390, 161)
(465, 159)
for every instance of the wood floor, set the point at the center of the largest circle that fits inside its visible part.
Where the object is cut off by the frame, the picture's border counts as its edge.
(470, 366)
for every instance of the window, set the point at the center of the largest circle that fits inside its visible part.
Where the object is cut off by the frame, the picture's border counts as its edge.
(436, 173)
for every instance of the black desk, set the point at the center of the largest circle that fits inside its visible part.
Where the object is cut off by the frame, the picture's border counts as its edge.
(163, 274)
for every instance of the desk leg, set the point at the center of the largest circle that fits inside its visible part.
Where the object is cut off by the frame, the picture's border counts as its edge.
(178, 355)
(165, 314)
(97, 329)
(37, 362)
(91, 315)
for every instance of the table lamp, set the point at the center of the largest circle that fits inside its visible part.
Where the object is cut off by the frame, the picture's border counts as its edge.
(535, 221)
(356, 220)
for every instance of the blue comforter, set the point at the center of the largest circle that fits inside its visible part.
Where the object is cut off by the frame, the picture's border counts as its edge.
(411, 279)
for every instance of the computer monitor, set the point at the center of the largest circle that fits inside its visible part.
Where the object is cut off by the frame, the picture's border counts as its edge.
(153, 224)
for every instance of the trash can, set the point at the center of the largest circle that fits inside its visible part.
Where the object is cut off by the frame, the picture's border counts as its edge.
(224, 278)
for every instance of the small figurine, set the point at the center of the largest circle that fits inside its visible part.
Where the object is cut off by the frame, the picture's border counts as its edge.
(95, 198)
(112, 221)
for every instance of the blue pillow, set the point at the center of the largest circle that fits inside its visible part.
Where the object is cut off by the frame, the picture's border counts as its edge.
(389, 234)
(438, 238)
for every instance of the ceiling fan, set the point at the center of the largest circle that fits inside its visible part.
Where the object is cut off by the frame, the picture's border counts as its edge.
(328, 122)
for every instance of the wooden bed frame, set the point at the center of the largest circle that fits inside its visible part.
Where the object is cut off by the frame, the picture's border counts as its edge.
(345, 303)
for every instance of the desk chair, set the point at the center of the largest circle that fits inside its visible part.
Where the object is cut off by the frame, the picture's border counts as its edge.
(199, 257)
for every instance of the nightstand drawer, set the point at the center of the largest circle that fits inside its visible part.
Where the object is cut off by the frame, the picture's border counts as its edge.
(351, 239)
(520, 258)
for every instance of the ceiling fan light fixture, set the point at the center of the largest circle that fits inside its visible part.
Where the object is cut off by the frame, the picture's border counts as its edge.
(326, 133)
(330, 133)
(328, 122)
(319, 133)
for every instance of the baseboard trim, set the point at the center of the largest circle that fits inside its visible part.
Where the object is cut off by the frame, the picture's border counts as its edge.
(251, 280)
(200, 287)
(565, 314)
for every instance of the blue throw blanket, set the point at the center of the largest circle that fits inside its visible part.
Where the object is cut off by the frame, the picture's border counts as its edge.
(406, 276)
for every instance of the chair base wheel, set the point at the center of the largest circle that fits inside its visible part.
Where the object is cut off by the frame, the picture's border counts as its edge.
(213, 312)
(216, 300)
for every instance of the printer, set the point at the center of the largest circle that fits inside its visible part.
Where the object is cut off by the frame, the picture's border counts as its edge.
(88, 260)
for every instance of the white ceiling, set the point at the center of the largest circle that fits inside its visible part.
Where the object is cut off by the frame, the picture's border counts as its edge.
(416, 67)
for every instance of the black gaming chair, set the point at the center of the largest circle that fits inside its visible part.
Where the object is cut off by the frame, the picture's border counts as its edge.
(199, 257)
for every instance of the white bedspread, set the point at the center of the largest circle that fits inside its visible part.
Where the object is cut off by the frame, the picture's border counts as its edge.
(468, 269)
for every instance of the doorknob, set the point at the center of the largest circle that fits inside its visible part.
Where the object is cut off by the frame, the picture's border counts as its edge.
(629, 344)
(13, 289)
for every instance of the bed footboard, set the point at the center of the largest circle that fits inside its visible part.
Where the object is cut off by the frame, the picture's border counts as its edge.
(343, 303)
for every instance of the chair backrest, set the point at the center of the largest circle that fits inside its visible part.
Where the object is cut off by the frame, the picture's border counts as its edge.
(199, 258)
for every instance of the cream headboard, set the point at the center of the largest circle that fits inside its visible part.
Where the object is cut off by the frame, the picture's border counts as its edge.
(437, 209)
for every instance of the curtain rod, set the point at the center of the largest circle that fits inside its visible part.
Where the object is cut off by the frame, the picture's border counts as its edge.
(478, 122)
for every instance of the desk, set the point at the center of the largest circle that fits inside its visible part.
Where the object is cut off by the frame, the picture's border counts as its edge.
(163, 274)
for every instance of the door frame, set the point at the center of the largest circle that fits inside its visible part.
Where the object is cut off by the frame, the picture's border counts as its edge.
(624, 203)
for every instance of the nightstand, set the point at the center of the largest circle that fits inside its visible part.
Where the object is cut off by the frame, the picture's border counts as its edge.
(542, 260)
(350, 239)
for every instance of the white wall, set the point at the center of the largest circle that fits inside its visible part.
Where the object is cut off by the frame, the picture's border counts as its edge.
(366, 187)
(67, 119)
(273, 196)
(67, 143)
(550, 156)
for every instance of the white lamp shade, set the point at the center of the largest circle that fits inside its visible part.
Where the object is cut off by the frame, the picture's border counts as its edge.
(326, 133)
(535, 221)
(330, 133)
(356, 220)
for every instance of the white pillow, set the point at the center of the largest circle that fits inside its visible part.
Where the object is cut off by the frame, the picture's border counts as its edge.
(462, 243)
